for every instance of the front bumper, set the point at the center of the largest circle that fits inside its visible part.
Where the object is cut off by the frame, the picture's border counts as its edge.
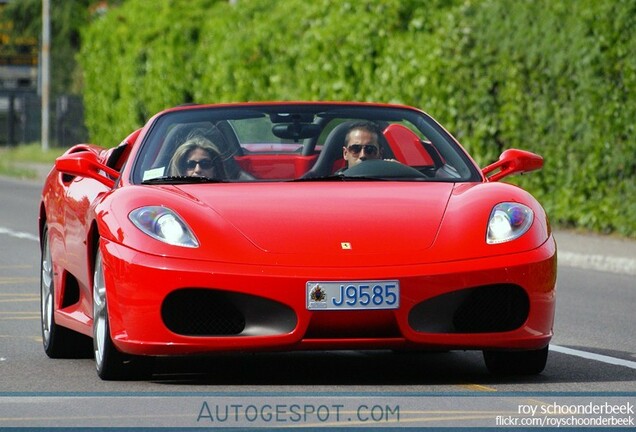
(166, 306)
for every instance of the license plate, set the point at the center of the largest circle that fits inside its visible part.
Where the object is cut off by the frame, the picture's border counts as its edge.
(353, 295)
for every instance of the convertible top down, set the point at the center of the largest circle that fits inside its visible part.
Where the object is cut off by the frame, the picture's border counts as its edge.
(292, 226)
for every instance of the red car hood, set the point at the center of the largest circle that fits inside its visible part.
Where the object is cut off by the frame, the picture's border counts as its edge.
(360, 217)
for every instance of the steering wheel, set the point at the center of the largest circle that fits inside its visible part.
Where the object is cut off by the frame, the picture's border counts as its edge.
(382, 169)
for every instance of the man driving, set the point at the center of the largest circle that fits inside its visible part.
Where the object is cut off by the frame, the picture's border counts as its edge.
(361, 143)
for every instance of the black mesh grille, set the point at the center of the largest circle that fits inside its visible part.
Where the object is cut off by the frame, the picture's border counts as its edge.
(491, 308)
(197, 312)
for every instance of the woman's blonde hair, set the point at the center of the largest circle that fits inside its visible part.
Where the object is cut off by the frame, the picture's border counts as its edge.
(177, 163)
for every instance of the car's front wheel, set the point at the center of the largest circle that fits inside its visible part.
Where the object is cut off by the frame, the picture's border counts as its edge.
(530, 362)
(58, 341)
(111, 364)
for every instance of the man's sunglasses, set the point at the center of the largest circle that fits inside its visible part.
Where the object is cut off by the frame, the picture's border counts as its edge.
(203, 163)
(368, 149)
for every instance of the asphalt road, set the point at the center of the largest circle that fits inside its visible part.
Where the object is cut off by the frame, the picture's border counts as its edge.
(593, 351)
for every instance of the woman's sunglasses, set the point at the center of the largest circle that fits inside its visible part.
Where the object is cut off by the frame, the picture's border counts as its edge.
(203, 163)
(368, 149)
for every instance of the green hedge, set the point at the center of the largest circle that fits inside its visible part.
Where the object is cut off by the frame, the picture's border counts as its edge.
(553, 77)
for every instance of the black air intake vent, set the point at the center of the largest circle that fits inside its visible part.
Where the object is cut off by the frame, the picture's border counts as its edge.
(209, 312)
(485, 309)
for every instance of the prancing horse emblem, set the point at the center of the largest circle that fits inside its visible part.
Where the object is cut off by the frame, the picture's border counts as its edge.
(345, 245)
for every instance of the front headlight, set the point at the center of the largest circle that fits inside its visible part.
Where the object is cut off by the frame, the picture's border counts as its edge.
(163, 224)
(508, 221)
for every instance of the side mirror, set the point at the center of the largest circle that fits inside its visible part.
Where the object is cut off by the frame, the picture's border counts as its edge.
(512, 161)
(86, 164)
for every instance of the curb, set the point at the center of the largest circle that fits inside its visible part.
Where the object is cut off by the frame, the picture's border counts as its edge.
(598, 262)
(596, 252)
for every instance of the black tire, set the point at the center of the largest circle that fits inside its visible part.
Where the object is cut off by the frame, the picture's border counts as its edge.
(111, 364)
(58, 341)
(530, 362)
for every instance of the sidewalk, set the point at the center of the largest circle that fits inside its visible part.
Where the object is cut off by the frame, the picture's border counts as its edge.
(597, 252)
(41, 171)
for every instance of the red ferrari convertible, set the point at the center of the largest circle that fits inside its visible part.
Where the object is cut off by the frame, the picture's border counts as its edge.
(292, 226)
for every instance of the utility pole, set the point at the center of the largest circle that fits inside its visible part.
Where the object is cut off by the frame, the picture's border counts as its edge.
(45, 71)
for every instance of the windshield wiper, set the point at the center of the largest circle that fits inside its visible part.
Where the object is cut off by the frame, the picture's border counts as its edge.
(332, 177)
(337, 177)
(181, 180)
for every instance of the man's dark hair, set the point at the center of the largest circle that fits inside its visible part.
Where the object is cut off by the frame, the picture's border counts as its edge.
(366, 125)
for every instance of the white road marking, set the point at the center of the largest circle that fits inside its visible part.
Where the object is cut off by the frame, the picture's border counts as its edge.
(592, 356)
(18, 234)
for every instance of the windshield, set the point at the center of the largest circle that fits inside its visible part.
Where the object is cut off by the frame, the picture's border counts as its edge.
(298, 142)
